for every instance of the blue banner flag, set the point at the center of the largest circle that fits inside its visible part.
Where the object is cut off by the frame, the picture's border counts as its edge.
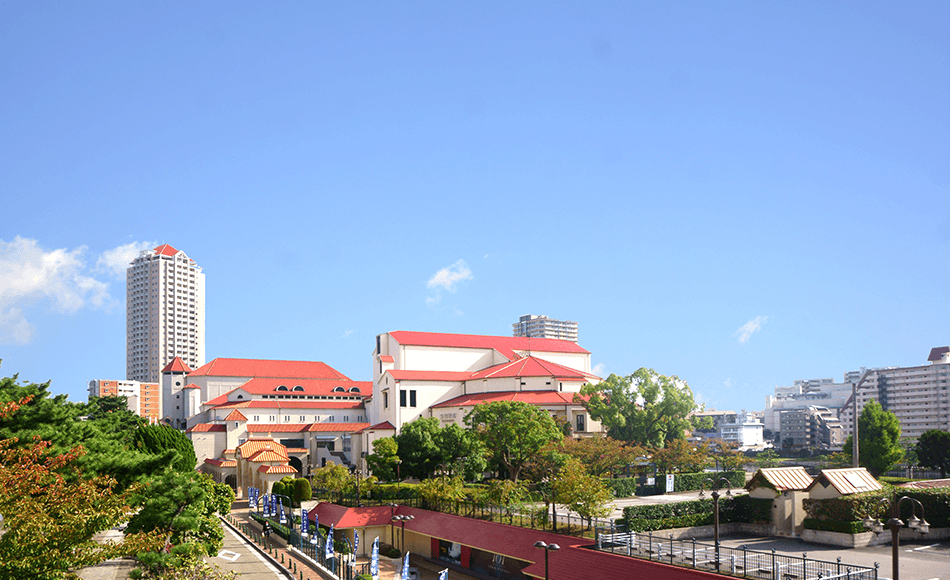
(273, 505)
(356, 540)
(405, 568)
(304, 522)
(329, 546)
(315, 538)
(266, 503)
(374, 560)
(444, 574)
(283, 516)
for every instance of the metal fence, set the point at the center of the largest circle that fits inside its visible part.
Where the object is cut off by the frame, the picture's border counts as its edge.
(739, 562)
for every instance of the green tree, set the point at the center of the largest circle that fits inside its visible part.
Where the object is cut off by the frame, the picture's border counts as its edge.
(880, 433)
(184, 508)
(645, 408)
(49, 521)
(512, 432)
(460, 447)
(439, 490)
(506, 494)
(302, 491)
(701, 423)
(333, 478)
(601, 455)
(581, 492)
(681, 456)
(418, 450)
(157, 439)
(382, 461)
(767, 458)
(933, 450)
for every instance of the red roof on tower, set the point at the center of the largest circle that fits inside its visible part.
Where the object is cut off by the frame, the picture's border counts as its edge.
(176, 366)
(277, 369)
(166, 250)
(530, 366)
(506, 345)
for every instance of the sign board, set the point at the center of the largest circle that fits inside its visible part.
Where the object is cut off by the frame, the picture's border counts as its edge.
(669, 483)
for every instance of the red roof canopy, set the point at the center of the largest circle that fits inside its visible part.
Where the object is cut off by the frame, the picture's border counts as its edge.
(530, 366)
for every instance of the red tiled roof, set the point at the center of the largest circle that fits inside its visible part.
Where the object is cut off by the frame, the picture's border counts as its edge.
(781, 478)
(269, 455)
(530, 366)
(252, 446)
(276, 469)
(306, 427)
(530, 397)
(191, 386)
(336, 427)
(176, 366)
(506, 345)
(846, 481)
(281, 369)
(322, 387)
(452, 376)
(216, 401)
(235, 415)
(292, 404)
(384, 426)
(206, 427)
(165, 250)
(222, 462)
(343, 518)
(386, 358)
(297, 450)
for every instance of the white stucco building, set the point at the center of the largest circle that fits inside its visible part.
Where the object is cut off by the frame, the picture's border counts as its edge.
(165, 312)
(426, 374)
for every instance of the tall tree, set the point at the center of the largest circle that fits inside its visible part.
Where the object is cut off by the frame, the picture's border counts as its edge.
(680, 456)
(461, 450)
(382, 461)
(581, 492)
(880, 433)
(418, 450)
(49, 520)
(933, 450)
(512, 432)
(158, 439)
(601, 455)
(645, 408)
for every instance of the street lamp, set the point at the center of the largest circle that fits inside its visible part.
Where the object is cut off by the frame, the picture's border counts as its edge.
(358, 471)
(402, 520)
(547, 548)
(895, 524)
(716, 486)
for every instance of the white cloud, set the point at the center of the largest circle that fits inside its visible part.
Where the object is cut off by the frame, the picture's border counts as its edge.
(347, 333)
(30, 274)
(727, 382)
(14, 327)
(116, 260)
(746, 331)
(598, 369)
(450, 276)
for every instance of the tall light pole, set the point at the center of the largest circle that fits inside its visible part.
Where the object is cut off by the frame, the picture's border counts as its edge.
(402, 520)
(547, 548)
(855, 456)
(716, 486)
(895, 524)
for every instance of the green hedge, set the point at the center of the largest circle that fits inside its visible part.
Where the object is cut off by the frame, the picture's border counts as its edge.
(698, 512)
(622, 487)
(851, 508)
(830, 526)
(694, 481)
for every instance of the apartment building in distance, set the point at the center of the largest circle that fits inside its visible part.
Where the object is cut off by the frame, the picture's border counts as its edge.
(533, 326)
(813, 426)
(803, 394)
(144, 399)
(918, 395)
(165, 313)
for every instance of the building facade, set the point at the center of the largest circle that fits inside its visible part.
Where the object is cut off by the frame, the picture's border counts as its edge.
(918, 395)
(165, 313)
(144, 399)
(533, 326)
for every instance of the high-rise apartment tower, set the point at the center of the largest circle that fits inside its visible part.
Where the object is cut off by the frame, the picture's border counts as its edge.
(533, 326)
(165, 313)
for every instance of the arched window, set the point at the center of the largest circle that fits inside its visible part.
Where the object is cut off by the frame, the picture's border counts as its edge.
(298, 388)
(354, 389)
(281, 388)
(339, 390)
(240, 396)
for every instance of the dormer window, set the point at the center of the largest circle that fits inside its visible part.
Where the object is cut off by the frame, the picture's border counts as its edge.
(240, 396)
(354, 389)
(298, 388)
(281, 388)
(339, 390)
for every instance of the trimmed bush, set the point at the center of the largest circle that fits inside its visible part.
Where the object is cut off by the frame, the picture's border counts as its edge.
(696, 513)
(694, 481)
(851, 508)
(830, 526)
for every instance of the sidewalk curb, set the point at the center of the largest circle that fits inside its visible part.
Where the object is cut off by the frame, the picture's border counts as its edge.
(259, 550)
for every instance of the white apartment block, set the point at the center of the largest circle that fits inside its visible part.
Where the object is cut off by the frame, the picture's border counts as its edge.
(533, 326)
(745, 432)
(919, 396)
(803, 394)
(165, 313)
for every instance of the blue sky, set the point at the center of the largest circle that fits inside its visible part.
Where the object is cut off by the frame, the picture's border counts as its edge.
(741, 194)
